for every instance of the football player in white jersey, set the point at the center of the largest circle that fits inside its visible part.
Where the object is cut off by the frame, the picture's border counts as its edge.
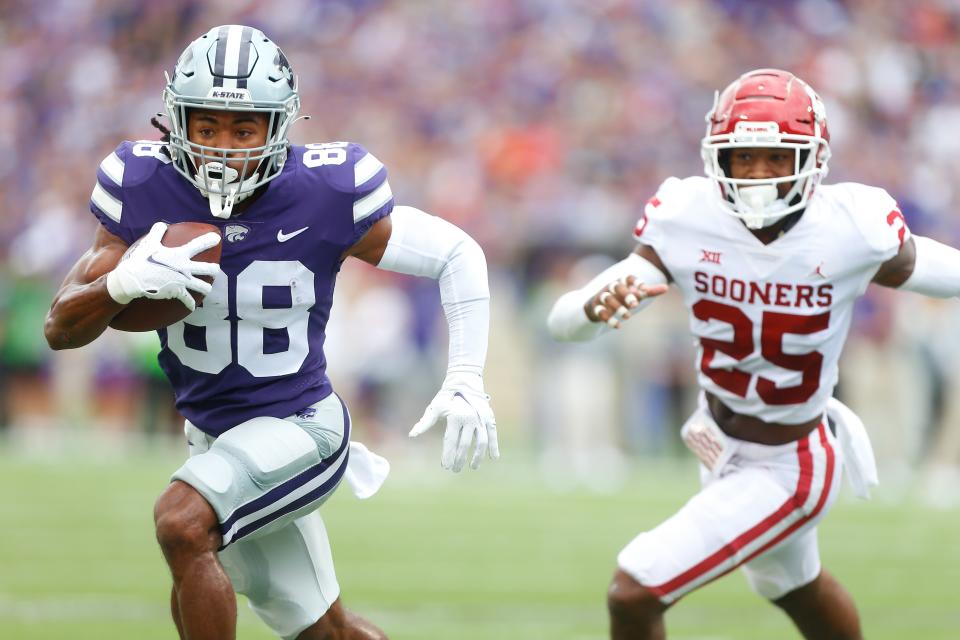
(769, 262)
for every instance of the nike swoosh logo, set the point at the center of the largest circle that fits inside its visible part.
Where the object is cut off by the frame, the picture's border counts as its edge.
(283, 237)
(162, 264)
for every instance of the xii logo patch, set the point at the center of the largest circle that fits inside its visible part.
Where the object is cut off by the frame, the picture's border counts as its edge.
(712, 257)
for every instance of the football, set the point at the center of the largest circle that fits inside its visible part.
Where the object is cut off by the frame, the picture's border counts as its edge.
(144, 314)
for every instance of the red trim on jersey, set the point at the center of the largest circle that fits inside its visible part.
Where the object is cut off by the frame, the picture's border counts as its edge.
(892, 217)
(793, 503)
(641, 225)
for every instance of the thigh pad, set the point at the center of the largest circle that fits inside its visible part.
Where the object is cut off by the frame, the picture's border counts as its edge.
(271, 449)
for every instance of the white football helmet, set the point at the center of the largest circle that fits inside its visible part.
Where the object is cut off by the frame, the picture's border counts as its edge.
(767, 108)
(231, 68)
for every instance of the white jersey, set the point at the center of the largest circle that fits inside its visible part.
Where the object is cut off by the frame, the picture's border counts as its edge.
(771, 320)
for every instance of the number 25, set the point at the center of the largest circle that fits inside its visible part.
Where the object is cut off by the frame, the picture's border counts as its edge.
(773, 327)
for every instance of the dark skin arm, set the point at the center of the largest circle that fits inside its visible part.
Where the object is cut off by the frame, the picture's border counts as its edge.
(83, 308)
(371, 246)
(895, 271)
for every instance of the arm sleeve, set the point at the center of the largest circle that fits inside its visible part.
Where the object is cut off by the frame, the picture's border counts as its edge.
(569, 322)
(936, 272)
(424, 245)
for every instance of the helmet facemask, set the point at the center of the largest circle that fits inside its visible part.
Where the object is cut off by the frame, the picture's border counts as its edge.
(259, 80)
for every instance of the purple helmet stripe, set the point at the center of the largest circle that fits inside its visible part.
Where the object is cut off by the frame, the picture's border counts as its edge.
(243, 70)
(221, 56)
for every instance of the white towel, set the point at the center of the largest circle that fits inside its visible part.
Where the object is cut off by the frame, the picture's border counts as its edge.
(858, 458)
(366, 471)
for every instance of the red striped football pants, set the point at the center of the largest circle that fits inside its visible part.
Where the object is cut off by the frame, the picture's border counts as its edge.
(760, 513)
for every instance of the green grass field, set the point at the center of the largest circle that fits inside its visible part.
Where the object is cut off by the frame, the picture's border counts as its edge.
(488, 554)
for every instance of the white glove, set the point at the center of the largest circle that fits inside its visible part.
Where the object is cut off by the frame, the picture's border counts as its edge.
(154, 271)
(466, 407)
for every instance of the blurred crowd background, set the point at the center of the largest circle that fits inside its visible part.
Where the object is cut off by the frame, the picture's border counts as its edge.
(539, 126)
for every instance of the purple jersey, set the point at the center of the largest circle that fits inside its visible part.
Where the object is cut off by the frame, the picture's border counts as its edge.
(255, 345)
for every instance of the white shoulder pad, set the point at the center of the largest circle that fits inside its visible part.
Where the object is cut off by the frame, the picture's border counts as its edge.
(666, 207)
(876, 216)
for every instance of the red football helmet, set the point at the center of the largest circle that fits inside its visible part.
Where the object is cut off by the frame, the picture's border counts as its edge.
(767, 108)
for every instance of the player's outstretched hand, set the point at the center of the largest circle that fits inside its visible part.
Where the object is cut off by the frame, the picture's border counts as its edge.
(466, 408)
(613, 304)
(152, 270)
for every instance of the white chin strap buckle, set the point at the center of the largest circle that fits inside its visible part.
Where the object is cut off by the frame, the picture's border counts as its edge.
(758, 200)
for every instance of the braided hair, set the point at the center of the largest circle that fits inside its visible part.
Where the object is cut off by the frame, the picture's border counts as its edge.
(159, 125)
(155, 121)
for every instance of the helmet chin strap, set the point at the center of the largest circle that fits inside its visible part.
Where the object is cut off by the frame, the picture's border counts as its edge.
(218, 183)
(762, 201)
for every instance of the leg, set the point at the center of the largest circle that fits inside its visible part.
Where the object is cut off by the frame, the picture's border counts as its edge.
(175, 612)
(339, 624)
(770, 497)
(635, 612)
(822, 610)
(188, 533)
(289, 579)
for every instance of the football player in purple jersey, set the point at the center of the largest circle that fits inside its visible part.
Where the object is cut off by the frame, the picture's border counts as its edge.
(269, 439)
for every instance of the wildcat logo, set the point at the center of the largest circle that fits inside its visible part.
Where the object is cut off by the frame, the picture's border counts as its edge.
(236, 232)
(229, 94)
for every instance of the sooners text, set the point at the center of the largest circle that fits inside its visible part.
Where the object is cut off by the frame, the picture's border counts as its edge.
(781, 294)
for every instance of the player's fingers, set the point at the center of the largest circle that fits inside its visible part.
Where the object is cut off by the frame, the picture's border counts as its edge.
(184, 296)
(451, 438)
(652, 290)
(198, 268)
(426, 421)
(155, 235)
(493, 444)
(614, 304)
(196, 284)
(482, 443)
(201, 243)
(624, 291)
(604, 314)
(632, 298)
(463, 442)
